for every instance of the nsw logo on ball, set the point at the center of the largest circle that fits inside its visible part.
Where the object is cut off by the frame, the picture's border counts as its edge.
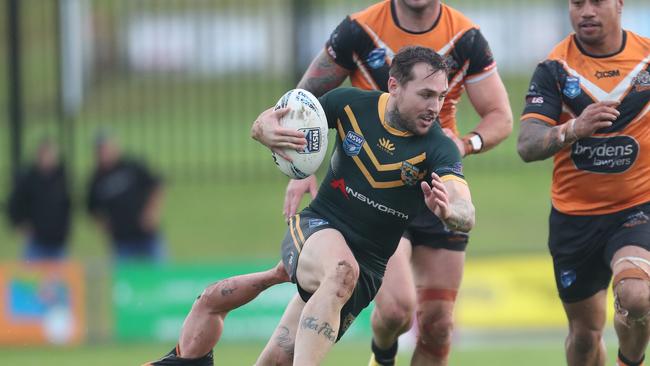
(313, 137)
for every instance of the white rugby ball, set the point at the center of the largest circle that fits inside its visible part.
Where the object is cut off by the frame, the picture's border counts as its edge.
(306, 115)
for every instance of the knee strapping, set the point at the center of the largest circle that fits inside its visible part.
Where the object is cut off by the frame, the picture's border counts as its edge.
(436, 294)
(636, 273)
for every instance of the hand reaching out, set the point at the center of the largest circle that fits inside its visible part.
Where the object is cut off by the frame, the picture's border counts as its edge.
(436, 197)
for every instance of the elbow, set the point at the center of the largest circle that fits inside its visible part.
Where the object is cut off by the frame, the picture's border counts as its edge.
(524, 151)
(525, 155)
(522, 154)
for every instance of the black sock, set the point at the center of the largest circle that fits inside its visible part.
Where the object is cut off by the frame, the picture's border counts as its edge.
(628, 362)
(385, 357)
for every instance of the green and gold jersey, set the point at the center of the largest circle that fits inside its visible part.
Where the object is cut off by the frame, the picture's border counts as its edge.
(372, 189)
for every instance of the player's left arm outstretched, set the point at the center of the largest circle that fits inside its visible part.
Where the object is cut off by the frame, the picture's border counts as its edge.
(451, 201)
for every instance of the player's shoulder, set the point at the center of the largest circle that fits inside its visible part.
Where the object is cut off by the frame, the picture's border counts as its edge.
(374, 11)
(638, 42)
(562, 49)
(437, 135)
(457, 19)
(441, 147)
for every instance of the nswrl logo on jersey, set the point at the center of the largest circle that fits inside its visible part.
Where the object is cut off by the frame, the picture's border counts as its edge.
(352, 143)
(377, 58)
(571, 87)
(567, 278)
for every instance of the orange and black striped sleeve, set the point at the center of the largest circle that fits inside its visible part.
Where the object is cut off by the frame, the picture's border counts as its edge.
(342, 42)
(543, 99)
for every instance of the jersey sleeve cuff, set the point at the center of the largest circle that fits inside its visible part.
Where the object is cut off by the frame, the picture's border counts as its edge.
(475, 78)
(448, 177)
(540, 117)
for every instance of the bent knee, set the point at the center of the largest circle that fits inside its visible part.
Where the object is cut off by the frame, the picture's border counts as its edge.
(633, 297)
(585, 341)
(436, 327)
(396, 315)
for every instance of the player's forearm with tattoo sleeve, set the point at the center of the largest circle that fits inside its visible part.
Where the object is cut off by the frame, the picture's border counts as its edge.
(539, 141)
(461, 210)
(322, 75)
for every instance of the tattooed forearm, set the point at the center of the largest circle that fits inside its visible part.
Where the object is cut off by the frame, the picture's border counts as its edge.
(227, 287)
(323, 75)
(324, 329)
(462, 216)
(284, 341)
(539, 141)
(261, 286)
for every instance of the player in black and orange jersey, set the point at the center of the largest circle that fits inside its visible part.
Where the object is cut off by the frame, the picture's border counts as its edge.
(362, 48)
(336, 249)
(587, 107)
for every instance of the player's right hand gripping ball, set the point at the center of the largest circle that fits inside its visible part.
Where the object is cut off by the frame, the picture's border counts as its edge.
(306, 115)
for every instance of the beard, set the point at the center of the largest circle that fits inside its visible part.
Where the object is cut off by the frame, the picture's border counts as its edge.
(400, 122)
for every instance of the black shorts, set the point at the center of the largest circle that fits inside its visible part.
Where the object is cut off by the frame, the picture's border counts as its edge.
(582, 247)
(301, 227)
(427, 229)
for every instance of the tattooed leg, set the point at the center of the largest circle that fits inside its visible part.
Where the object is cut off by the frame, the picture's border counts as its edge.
(319, 322)
(280, 348)
(204, 324)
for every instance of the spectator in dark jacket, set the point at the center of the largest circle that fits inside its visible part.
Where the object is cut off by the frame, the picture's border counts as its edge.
(125, 199)
(39, 205)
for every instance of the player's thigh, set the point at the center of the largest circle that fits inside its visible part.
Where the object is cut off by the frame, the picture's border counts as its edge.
(437, 268)
(629, 246)
(279, 349)
(397, 289)
(320, 255)
(577, 246)
(629, 257)
(588, 315)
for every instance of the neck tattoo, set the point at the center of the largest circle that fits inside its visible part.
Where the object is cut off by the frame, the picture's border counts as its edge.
(394, 120)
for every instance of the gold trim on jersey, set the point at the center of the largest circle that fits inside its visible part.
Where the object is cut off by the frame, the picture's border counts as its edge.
(380, 167)
(381, 106)
(299, 231)
(292, 226)
(373, 183)
(448, 177)
(381, 109)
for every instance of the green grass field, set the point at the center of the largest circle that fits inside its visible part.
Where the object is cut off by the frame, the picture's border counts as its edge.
(343, 354)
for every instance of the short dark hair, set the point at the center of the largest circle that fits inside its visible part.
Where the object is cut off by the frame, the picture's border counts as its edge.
(403, 62)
